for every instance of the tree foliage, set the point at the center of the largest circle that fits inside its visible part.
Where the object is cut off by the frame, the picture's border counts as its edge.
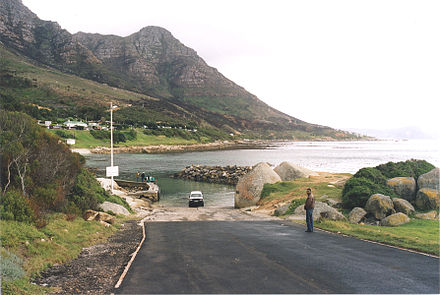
(39, 173)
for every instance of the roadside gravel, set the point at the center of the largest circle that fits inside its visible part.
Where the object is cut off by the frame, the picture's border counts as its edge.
(97, 269)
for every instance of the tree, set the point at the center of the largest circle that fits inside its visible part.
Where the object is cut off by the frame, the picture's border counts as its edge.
(18, 134)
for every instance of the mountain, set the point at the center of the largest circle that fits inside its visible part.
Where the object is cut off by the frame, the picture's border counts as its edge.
(152, 63)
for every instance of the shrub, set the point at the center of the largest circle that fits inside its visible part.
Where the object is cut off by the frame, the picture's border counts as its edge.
(369, 181)
(87, 193)
(64, 134)
(15, 206)
(10, 266)
(411, 168)
(295, 204)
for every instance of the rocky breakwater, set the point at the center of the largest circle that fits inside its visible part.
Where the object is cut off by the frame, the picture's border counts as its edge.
(214, 174)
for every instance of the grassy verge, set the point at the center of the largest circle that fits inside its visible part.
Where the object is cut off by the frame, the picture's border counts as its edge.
(85, 140)
(286, 191)
(37, 249)
(418, 234)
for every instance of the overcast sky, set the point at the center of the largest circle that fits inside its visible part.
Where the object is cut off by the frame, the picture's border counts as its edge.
(343, 64)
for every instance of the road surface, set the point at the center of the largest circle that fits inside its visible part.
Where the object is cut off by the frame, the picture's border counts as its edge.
(270, 257)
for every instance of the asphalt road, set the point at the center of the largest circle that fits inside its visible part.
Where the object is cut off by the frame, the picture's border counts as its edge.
(270, 257)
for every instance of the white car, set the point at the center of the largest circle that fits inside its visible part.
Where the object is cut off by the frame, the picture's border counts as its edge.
(195, 199)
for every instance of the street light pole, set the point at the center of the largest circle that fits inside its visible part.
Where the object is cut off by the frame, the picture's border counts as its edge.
(111, 140)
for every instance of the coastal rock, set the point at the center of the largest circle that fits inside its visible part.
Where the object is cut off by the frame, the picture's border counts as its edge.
(405, 187)
(106, 184)
(214, 174)
(427, 198)
(115, 208)
(380, 206)
(402, 205)
(430, 180)
(431, 215)
(249, 187)
(356, 215)
(281, 210)
(395, 219)
(288, 171)
(90, 215)
(322, 210)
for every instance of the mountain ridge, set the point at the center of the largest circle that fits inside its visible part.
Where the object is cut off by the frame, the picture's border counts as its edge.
(151, 62)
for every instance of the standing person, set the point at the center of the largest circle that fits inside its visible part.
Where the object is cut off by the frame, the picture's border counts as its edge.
(143, 176)
(137, 176)
(309, 206)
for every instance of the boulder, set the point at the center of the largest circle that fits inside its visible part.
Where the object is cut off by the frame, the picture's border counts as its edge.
(427, 198)
(430, 180)
(281, 210)
(356, 215)
(106, 183)
(404, 187)
(332, 215)
(288, 171)
(432, 215)
(322, 210)
(380, 206)
(90, 215)
(115, 208)
(395, 219)
(401, 205)
(249, 187)
(333, 203)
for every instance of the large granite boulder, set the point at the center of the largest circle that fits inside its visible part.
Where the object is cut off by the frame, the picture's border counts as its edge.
(288, 171)
(281, 210)
(356, 215)
(405, 187)
(115, 208)
(322, 210)
(402, 205)
(431, 215)
(249, 187)
(430, 180)
(427, 198)
(380, 206)
(395, 219)
(90, 215)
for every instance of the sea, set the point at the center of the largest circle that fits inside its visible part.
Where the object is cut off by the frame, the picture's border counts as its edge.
(339, 156)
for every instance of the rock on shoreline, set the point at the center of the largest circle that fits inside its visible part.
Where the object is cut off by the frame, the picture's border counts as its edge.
(214, 174)
(161, 149)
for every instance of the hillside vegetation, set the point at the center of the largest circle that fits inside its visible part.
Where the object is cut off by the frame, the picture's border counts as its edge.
(44, 188)
(150, 75)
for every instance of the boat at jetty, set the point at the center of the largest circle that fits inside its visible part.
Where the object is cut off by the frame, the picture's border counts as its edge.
(148, 190)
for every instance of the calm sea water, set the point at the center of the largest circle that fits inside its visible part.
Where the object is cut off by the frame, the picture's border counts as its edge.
(319, 156)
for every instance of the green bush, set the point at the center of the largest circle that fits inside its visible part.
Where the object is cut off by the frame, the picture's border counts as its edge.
(64, 134)
(411, 168)
(369, 181)
(87, 193)
(295, 204)
(10, 266)
(15, 206)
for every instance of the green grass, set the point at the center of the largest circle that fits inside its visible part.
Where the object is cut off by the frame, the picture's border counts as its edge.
(85, 140)
(297, 189)
(58, 242)
(418, 234)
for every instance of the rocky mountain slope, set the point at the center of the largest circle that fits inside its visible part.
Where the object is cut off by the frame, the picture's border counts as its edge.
(150, 62)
